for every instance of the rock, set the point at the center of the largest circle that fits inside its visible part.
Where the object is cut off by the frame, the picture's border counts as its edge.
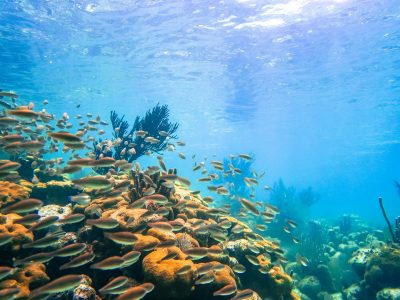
(310, 286)
(383, 268)
(353, 292)
(359, 259)
(388, 294)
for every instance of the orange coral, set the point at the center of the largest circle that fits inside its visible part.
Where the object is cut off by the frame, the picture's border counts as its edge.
(145, 242)
(163, 273)
(24, 279)
(20, 234)
(12, 192)
(161, 235)
(221, 278)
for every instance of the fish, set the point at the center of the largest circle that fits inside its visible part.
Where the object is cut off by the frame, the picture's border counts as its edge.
(5, 272)
(261, 227)
(133, 293)
(78, 261)
(272, 208)
(204, 268)
(110, 263)
(205, 279)
(102, 162)
(65, 137)
(70, 169)
(184, 269)
(238, 268)
(291, 223)
(82, 199)
(10, 94)
(5, 238)
(302, 260)
(214, 250)
(114, 284)
(9, 293)
(222, 191)
(9, 167)
(69, 250)
(94, 182)
(44, 223)
(44, 242)
(151, 140)
(148, 286)
(61, 284)
(41, 257)
(252, 259)
(237, 229)
(163, 226)
(24, 206)
(8, 121)
(22, 113)
(295, 240)
(163, 133)
(208, 199)
(226, 290)
(130, 258)
(103, 223)
(170, 255)
(181, 155)
(253, 249)
(249, 206)
(245, 156)
(246, 294)
(73, 218)
(123, 238)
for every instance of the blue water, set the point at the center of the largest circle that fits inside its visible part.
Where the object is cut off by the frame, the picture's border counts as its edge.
(310, 87)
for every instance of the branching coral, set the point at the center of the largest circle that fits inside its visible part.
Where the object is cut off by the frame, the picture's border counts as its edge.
(130, 145)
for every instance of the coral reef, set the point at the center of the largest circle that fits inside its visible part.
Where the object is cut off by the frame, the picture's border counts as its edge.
(11, 192)
(130, 144)
(26, 279)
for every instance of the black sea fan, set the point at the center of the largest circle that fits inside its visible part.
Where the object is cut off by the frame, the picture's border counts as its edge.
(130, 146)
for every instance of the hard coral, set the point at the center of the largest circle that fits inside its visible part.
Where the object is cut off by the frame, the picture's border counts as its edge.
(20, 234)
(55, 192)
(12, 192)
(163, 274)
(26, 279)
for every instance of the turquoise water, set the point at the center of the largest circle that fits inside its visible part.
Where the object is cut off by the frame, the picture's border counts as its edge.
(311, 88)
